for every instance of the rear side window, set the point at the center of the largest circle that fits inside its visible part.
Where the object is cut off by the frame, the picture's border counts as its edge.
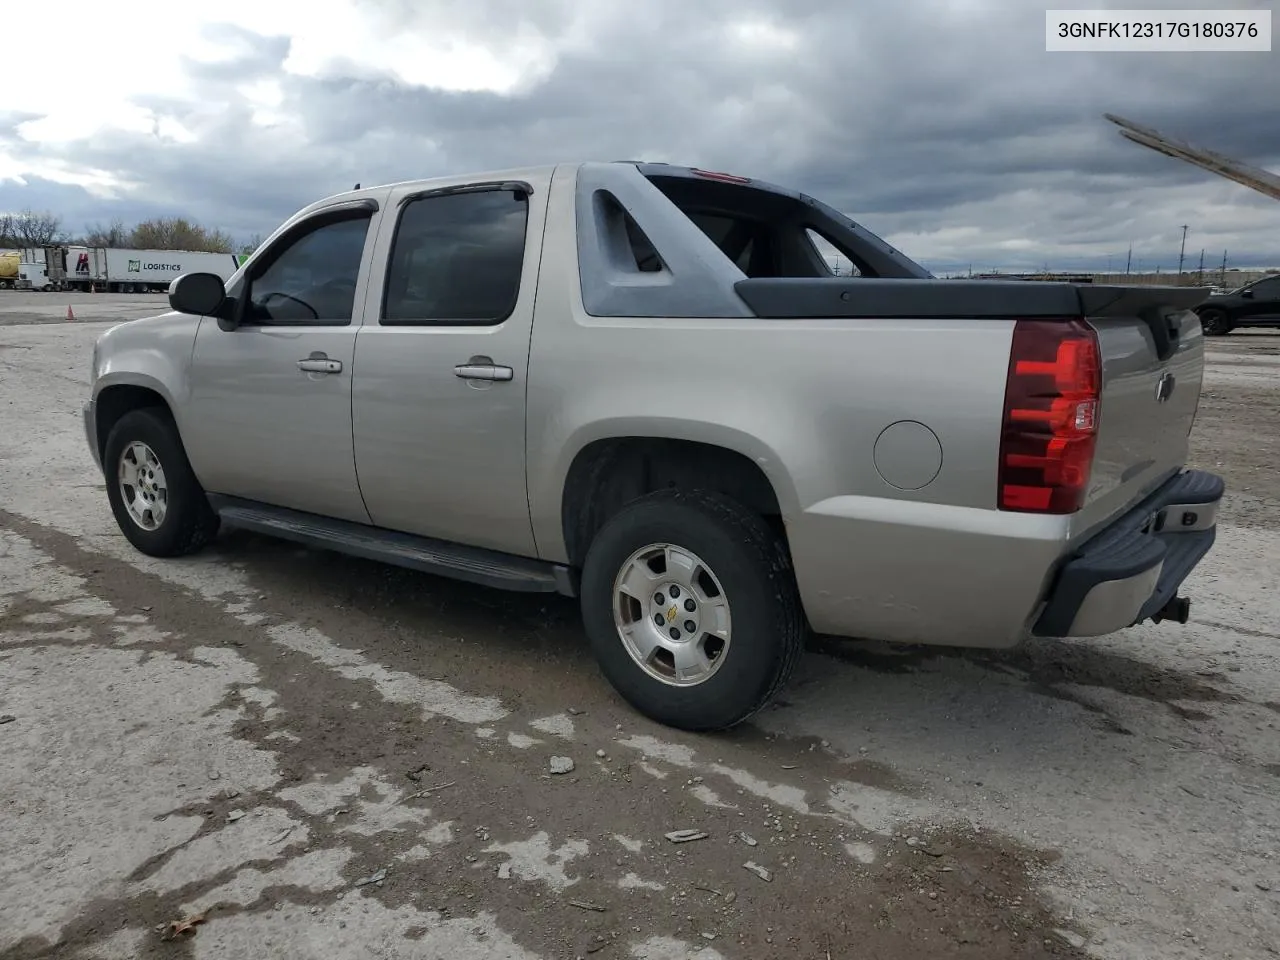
(838, 262)
(760, 248)
(772, 234)
(457, 258)
(626, 241)
(745, 243)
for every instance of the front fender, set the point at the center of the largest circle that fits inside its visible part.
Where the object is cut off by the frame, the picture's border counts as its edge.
(153, 354)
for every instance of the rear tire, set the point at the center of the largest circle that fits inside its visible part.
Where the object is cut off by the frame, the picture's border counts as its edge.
(1215, 323)
(157, 501)
(727, 589)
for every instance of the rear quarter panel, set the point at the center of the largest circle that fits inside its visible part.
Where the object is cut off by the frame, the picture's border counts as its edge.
(809, 401)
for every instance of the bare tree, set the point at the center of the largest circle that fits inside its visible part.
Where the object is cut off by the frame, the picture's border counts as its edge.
(37, 229)
(114, 234)
(31, 229)
(179, 233)
(252, 244)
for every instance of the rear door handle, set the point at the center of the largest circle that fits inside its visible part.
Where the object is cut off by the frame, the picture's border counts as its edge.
(320, 365)
(483, 371)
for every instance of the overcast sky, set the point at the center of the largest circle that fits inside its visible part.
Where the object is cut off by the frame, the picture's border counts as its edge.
(944, 126)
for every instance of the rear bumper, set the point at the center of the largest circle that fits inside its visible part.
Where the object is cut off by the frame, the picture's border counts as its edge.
(1128, 573)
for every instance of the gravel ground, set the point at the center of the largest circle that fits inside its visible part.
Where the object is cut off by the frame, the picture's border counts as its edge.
(318, 757)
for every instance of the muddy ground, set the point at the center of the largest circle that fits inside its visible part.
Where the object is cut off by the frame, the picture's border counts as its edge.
(320, 757)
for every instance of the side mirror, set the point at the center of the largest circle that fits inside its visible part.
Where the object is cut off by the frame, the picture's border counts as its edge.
(201, 294)
(1247, 294)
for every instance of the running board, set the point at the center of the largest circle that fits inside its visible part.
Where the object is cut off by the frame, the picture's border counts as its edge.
(472, 564)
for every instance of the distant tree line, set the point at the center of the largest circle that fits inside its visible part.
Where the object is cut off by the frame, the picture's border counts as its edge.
(31, 229)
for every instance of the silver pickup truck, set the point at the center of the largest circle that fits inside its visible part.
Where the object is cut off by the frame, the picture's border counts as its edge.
(645, 386)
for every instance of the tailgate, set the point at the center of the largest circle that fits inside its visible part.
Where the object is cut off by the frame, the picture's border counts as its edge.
(1152, 366)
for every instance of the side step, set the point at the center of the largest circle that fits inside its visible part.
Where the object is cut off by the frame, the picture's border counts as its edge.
(472, 564)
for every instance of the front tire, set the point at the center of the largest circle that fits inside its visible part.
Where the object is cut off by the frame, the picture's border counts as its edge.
(158, 503)
(720, 579)
(1215, 323)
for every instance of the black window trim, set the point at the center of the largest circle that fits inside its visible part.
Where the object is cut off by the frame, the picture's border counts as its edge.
(487, 186)
(365, 208)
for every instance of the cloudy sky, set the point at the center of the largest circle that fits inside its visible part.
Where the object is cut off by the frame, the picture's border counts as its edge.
(941, 124)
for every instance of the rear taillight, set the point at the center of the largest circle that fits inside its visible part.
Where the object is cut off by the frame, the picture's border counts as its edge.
(1050, 416)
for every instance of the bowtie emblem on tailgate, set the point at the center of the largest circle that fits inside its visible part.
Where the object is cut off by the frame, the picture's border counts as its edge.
(1164, 387)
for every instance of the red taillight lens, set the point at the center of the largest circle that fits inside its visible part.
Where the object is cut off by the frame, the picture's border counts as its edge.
(1050, 416)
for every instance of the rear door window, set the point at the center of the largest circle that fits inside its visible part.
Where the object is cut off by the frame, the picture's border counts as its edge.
(457, 258)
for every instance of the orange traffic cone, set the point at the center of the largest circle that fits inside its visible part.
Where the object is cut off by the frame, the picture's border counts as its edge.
(70, 315)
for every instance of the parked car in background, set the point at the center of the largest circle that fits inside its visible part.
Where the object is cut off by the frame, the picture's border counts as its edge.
(1256, 304)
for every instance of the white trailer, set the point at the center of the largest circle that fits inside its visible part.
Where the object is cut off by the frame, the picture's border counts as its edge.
(118, 270)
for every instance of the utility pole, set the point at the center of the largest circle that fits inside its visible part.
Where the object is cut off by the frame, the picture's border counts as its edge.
(1200, 272)
(1129, 261)
(1183, 249)
(1224, 267)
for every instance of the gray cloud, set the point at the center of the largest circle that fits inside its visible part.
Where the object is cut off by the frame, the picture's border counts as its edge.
(914, 118)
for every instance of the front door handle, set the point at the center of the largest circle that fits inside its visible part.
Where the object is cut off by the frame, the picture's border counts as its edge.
(320, 365)
(483, 371)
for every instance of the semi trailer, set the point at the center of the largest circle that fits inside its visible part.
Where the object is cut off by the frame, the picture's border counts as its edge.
(118, 270)
(108, 269)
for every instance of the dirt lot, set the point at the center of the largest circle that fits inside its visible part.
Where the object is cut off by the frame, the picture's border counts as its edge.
(326, 758)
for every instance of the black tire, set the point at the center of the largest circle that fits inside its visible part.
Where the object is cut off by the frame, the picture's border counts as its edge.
(1215, 323)
(189, 522)
(768, 627)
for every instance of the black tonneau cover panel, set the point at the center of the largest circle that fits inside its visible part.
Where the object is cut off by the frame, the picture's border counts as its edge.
(865, 297)
(1117, 301)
